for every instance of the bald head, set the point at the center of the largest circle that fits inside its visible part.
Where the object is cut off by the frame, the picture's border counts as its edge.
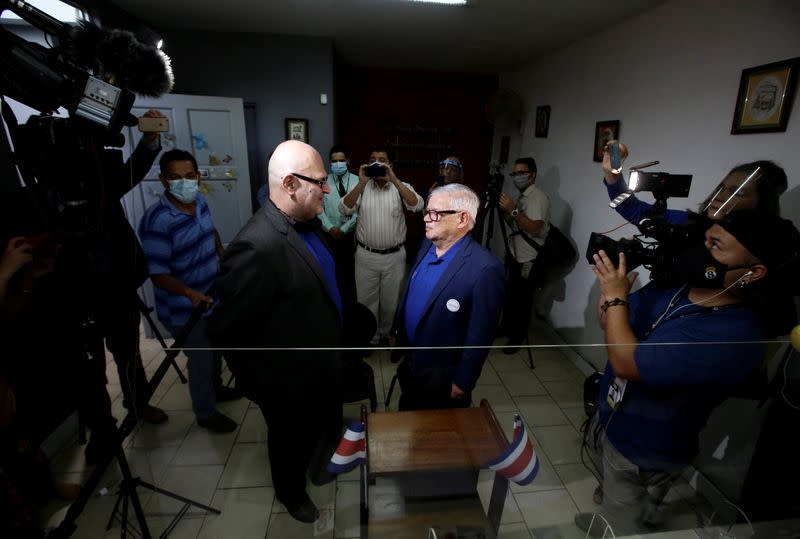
(300, 199)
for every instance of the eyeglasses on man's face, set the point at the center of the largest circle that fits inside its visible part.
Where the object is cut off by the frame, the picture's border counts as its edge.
(436, 215)
(320, 183)
(520, 173)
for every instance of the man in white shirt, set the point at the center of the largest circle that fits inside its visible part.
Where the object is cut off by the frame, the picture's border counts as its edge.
(379, 198)
(529, 218)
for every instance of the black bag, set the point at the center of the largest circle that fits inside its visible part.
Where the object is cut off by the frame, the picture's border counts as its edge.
(554, 257)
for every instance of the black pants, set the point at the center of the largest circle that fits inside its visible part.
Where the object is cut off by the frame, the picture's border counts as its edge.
(120, 328)
(418, 394)
(519, 301)
(296, 429)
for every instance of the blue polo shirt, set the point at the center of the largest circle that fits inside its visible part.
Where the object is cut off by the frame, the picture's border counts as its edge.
(182, 246)
(657, 425)
(422, 282)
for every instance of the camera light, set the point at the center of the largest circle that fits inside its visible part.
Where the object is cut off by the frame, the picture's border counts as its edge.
(160, 44)
(633, 180)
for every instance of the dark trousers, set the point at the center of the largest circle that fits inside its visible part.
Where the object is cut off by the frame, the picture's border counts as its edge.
(519, 301)
(344, 251)
(297, 429)
(416, 394)
(120, 327)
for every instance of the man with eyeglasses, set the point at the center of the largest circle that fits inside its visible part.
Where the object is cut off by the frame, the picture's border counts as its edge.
(279, 289)
(182, 249)
(529, 218)
(453, 299)
(380, 236)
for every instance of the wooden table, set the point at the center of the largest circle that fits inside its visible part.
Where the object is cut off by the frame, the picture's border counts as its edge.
(426, 445)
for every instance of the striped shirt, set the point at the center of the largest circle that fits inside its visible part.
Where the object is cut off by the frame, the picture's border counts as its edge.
(381, 223)
(182, 246)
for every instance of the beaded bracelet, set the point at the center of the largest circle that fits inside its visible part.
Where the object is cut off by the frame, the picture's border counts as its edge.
(612, 303)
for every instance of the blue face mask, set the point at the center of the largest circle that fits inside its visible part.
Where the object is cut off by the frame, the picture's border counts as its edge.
(339, 168)
(520, 182)
(184, 190)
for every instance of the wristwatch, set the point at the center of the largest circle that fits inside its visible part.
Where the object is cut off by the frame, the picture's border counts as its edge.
(514, 212)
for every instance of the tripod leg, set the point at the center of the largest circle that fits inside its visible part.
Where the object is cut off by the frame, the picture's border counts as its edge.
(145, 310)
(129, 484)
(174, 496)
(530, 354)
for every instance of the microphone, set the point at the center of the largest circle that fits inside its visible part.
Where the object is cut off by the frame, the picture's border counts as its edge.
(119, 57)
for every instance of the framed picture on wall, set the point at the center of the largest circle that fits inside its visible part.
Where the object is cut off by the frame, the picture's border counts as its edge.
(542, 121)
(765, 97)
(603, 132)
(297, 129)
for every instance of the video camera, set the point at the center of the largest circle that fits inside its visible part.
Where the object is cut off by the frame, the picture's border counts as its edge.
(669, 239)
(92, 73)
(494, 186)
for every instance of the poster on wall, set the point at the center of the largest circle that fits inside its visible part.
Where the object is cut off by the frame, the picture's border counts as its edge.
(765, 97)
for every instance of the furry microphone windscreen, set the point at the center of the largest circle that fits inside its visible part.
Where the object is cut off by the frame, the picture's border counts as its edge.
(117, 56)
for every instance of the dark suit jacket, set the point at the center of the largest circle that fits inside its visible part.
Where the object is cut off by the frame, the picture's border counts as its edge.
(272, 293)
(475, 279)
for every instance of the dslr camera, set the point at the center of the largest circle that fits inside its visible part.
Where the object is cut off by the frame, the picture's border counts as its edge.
(375, 170)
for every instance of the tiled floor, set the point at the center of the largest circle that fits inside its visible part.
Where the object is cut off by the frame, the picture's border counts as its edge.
(231, 472)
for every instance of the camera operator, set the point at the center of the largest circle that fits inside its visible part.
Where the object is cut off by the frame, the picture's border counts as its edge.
(656, 397)
(529, 218)
(380, 236)
(123, 273)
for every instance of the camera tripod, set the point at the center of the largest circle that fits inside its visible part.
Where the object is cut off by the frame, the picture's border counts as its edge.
(491, 214)
(127, 488)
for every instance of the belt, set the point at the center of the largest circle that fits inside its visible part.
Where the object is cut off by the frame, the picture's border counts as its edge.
(381, 251)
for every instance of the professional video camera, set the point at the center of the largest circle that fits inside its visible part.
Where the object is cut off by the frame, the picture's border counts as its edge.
(92, 73)
(494, 186)
(668, 239)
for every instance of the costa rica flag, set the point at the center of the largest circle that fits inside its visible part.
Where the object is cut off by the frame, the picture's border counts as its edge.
(518, 463)
(352, 450)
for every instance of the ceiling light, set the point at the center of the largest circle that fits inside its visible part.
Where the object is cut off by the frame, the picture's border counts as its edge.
(444, 2)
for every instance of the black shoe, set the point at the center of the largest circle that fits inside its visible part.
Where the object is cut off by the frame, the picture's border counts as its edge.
(322, 477)
(218, 423)
(226, 394)
(304, 512)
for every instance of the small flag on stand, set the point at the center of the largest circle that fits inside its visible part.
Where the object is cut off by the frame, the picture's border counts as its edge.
(351, 451)
(518, 463)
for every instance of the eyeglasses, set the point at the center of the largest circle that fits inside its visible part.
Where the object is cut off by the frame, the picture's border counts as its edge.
(520, 173)
(436, 215)
(320, 183)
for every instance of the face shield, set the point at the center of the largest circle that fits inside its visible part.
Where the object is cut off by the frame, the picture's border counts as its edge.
(738, 191)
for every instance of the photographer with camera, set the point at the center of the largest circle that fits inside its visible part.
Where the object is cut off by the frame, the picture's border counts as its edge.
(656, 395)
(379, 197)
(529, 218)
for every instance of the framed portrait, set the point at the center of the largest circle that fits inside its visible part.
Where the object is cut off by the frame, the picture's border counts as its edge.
(542, 121)
(297, 129)
(765, 97)
(603, 132)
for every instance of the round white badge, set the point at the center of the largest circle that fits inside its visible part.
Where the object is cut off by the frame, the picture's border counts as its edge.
(453, 305)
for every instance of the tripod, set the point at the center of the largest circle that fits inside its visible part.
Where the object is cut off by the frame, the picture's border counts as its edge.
(491, 206)
(127, 489)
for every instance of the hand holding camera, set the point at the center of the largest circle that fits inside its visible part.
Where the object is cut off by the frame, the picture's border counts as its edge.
(614, 281)
(18, 253)
(151, 124)
(374, 170)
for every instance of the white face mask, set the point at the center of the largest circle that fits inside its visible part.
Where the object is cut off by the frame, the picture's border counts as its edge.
(184, 189)
(520, 182)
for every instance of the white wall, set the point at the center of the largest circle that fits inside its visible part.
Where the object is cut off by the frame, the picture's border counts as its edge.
(671, 77)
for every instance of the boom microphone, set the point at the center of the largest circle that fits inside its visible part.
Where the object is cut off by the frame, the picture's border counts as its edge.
(119, 57)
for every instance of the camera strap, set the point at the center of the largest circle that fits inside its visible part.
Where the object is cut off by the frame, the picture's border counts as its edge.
(527, 239)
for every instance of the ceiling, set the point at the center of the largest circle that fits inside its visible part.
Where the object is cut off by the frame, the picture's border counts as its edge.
(485, 36)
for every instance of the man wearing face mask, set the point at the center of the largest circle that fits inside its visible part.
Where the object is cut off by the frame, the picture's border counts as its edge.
(528, 216)
(657, 395)
(340, 227)
(182, 248)
(450, 171)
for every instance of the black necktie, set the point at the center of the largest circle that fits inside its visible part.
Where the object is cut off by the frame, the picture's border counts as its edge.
(342, 192)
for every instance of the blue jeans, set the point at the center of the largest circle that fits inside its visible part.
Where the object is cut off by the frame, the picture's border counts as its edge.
(202, 373)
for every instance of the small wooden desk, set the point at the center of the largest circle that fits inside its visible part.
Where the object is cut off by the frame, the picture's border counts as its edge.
(426, 442)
